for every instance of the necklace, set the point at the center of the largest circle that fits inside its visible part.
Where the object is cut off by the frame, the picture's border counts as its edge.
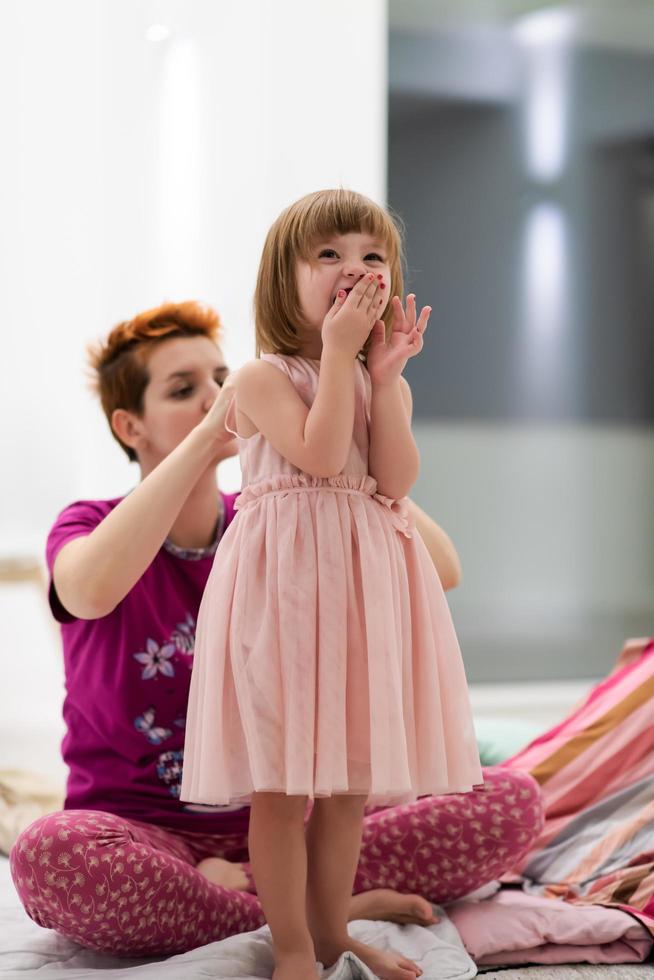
(197, 554)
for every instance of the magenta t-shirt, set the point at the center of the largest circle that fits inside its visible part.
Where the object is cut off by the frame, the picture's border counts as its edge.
(127, 683)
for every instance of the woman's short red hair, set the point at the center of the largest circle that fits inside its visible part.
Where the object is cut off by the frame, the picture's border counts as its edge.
(120, 363)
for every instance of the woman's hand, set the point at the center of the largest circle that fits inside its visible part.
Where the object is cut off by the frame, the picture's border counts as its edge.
(387, 358)
(348, 324)
(214, 420)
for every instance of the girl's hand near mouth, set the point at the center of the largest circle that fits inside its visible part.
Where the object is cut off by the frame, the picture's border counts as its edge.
(350, 320)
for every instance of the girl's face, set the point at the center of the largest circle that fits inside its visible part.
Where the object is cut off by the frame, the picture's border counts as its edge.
(338, 263)
(186, 375)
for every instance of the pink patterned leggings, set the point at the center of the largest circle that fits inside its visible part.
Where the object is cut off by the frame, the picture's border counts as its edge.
(130, 888)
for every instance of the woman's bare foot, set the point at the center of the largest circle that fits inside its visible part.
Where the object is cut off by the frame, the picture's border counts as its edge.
(225, 873)
(295, 966)
(392, 906)
(387, 965)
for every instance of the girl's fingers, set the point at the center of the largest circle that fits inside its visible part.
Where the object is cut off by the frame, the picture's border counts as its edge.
(378, 333)
(415, 342)
(411, 311)
(424, 319)
(399, 319)
(374, 300)
(405, 320)
(359, 289)
(376, 306)
(341, 296)
(364, 290)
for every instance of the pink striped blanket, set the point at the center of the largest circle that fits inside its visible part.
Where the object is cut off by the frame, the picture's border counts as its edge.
(596, 771)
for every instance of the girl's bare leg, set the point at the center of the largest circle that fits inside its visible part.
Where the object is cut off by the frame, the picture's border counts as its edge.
(279, 865)
(333, 842)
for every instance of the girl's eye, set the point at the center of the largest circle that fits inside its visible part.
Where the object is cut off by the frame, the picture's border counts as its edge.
(182, 392)
(327, 253)
(373, 257)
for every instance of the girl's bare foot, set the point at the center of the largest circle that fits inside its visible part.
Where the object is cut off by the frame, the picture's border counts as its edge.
(225, 873)
(295, 966)
(384, 903)
(387, 965)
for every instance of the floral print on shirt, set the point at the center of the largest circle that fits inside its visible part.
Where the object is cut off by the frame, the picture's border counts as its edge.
(145, 724)
(183, 636)
(156, 658)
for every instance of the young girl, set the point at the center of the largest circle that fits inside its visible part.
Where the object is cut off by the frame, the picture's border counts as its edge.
(326, 663)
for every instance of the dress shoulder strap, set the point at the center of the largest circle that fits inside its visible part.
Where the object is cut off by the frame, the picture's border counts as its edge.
(230, 418)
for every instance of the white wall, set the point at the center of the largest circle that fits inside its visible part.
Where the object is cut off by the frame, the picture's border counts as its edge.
(135, 171)
(132, 172)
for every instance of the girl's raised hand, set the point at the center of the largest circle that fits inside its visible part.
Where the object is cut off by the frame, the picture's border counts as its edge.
(351, 318)
(386, 358)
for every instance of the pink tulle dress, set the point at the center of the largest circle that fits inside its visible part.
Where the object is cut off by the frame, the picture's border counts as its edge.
(325, 661)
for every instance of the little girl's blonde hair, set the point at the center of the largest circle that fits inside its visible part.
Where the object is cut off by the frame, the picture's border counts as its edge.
(314, 218)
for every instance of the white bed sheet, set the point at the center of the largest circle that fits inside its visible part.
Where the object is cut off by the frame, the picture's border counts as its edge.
(26, 950)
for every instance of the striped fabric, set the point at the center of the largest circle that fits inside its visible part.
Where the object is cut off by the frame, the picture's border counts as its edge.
(596, 772)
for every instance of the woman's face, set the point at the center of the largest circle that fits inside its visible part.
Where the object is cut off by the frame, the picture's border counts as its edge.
(186, 375)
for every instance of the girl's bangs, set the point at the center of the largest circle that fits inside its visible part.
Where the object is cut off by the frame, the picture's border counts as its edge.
(340, 213)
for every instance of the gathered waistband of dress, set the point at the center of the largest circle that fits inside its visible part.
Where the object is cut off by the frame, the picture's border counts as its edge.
(295, 483)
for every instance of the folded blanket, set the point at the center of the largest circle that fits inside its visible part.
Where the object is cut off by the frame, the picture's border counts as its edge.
(596, 772)
(512, 927)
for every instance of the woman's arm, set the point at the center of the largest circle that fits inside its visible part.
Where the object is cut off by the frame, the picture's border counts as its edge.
(440, 547)
(92, 574)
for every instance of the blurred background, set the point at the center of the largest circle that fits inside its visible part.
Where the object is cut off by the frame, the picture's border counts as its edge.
(148, 144)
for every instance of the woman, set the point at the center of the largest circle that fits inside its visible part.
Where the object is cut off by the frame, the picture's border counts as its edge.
(126, 867)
